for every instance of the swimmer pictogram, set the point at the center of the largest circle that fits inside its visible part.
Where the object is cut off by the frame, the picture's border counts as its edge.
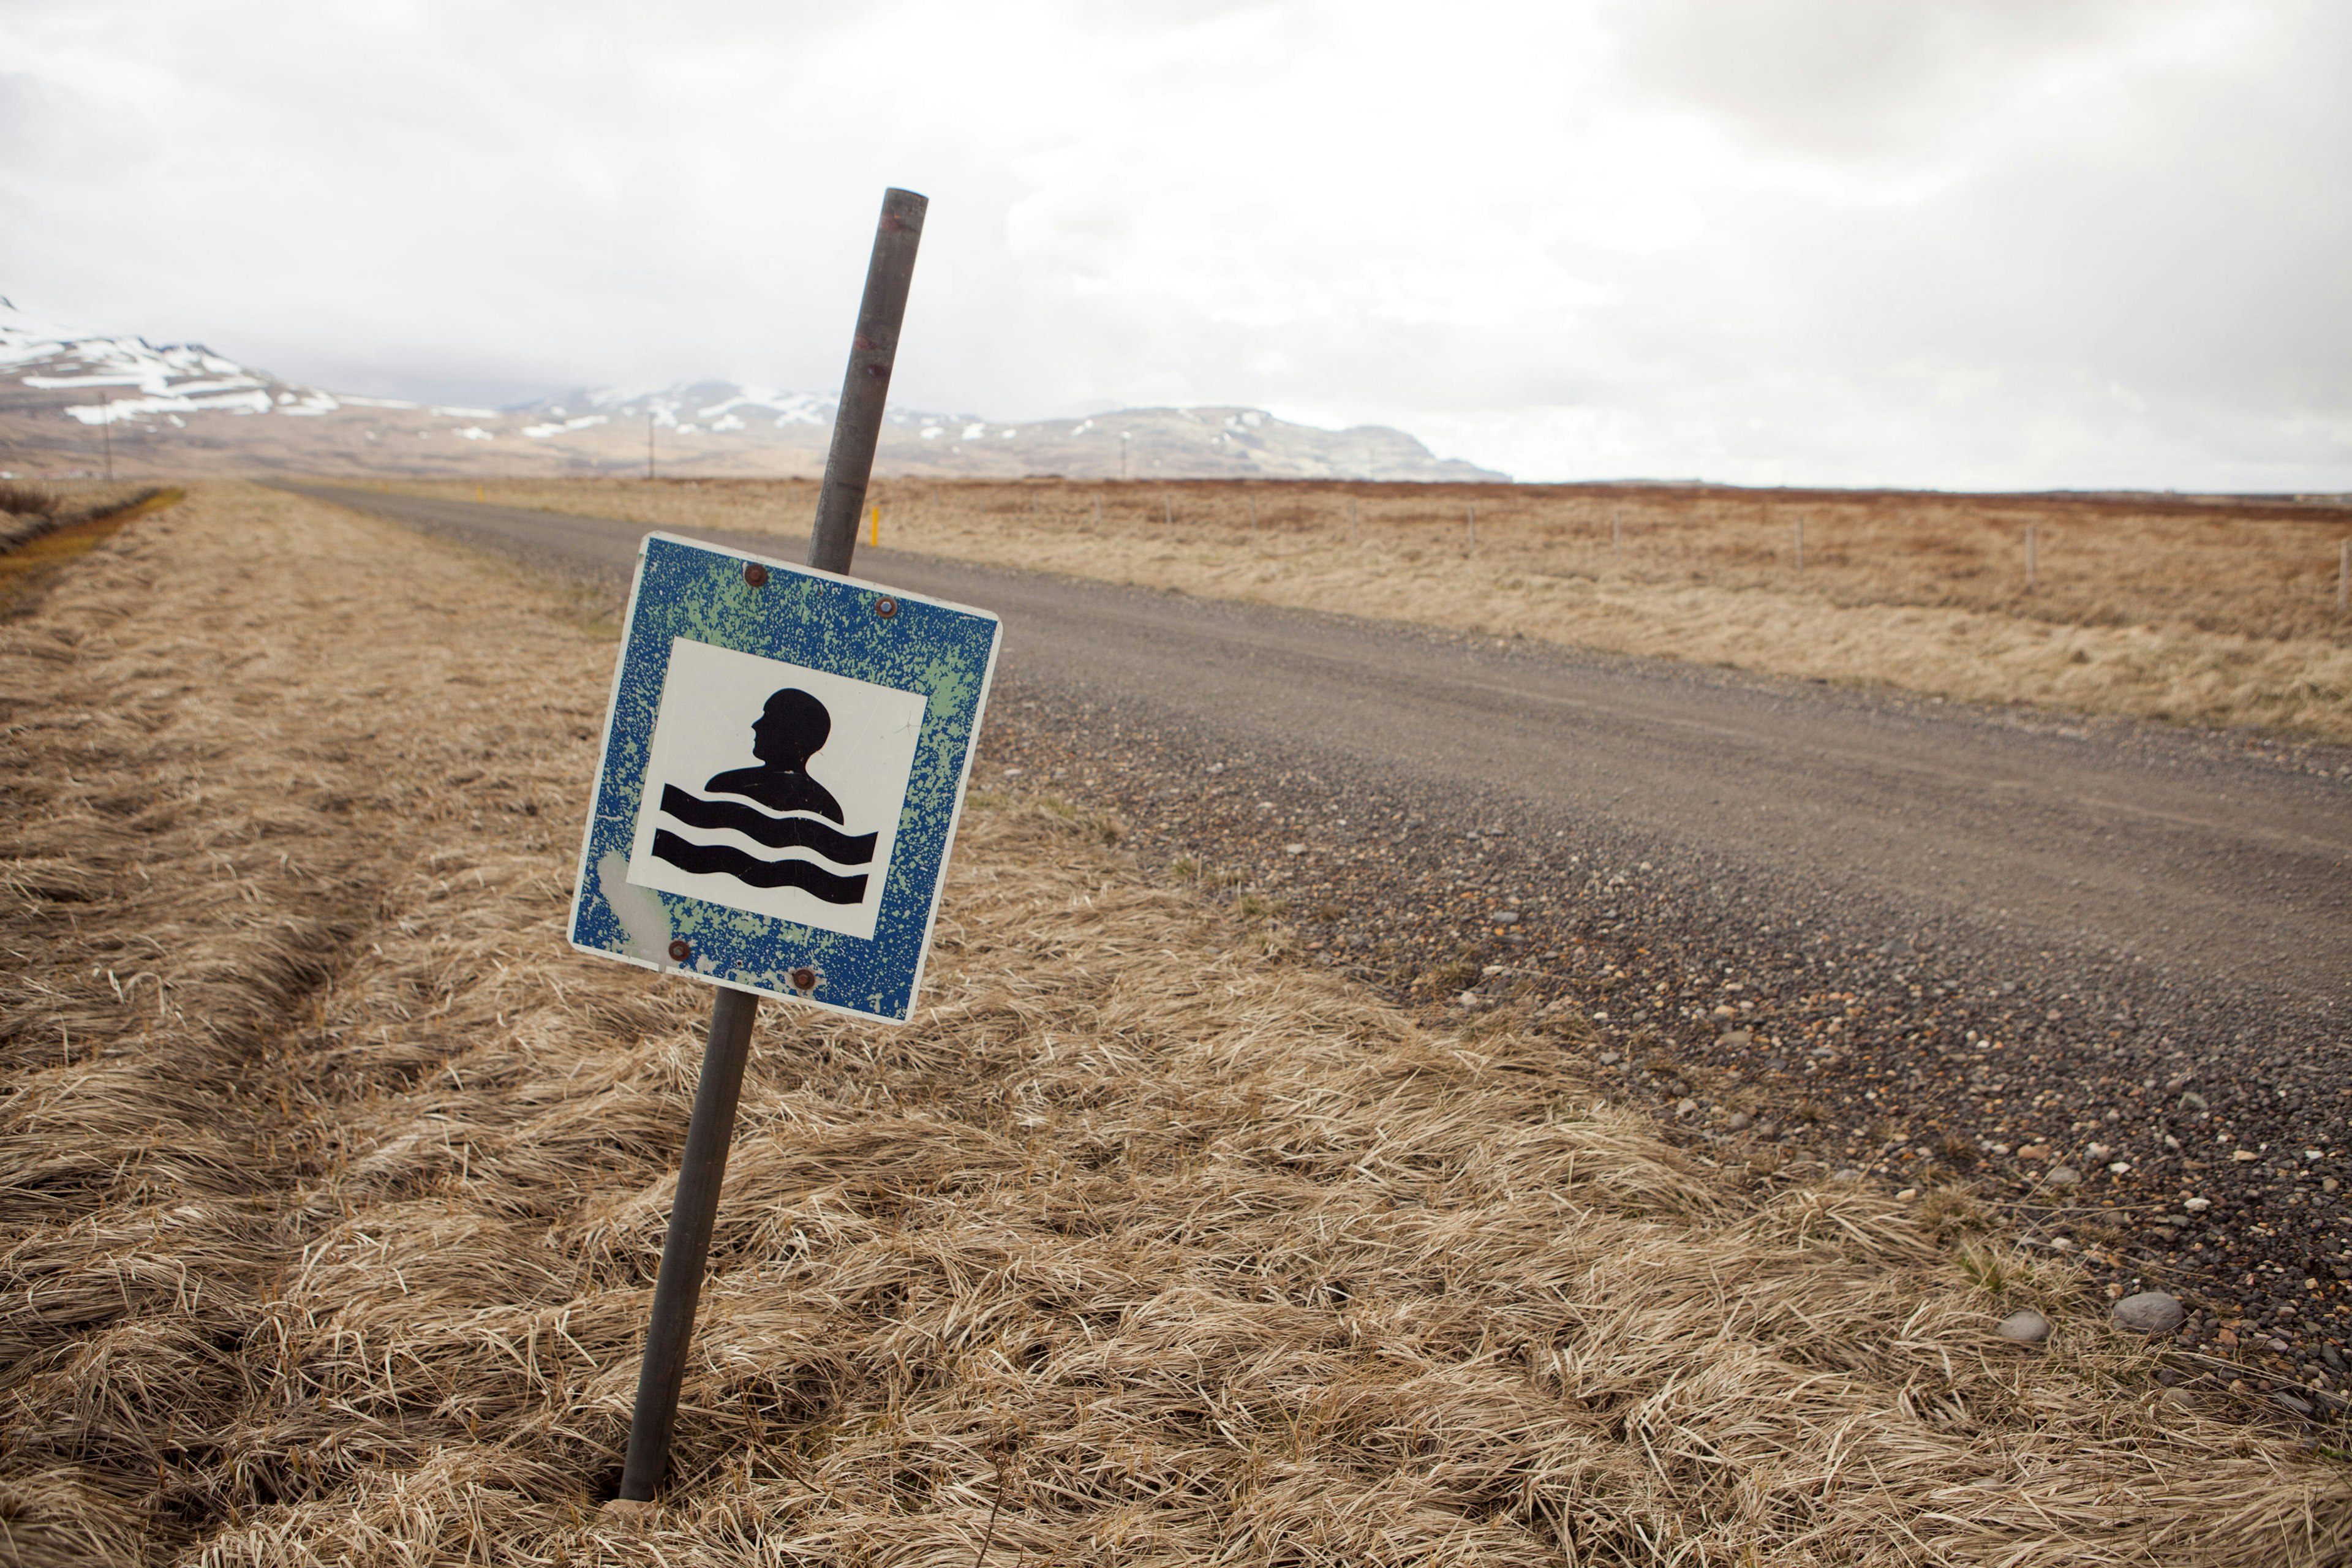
(776, 804)
(783, 772)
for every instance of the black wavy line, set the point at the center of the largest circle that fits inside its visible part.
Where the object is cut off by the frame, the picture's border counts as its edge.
(726, 860)
(776, 833)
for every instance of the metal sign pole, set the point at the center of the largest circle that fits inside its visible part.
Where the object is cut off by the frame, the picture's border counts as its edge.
(856, 427)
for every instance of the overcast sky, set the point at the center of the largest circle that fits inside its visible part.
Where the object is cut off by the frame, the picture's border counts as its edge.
(1972, 243)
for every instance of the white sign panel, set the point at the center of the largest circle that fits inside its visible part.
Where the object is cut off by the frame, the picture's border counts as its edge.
(774, 788)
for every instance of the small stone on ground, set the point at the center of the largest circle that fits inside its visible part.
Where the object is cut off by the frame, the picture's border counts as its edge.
(2150, 1313)
(2027, 1327)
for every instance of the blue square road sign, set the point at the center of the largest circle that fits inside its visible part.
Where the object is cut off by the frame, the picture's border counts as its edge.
(784, 765)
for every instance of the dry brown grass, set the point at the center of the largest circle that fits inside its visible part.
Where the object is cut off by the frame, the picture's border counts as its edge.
(334, 1188)
(2208, 613)
(30, 512)
(22, 497)
(43, 543)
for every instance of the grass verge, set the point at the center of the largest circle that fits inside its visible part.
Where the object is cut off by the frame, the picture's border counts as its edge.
(42, 543)
(334, 1190)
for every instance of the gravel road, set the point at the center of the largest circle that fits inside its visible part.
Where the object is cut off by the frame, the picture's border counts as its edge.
(2103, 968)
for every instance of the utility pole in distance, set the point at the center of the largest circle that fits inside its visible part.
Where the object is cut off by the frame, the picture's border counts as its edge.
(833, 541)
(106, 432)
(649, 443)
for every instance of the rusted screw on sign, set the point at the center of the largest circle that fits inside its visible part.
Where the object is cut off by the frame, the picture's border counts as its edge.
(681, 950)
(804, 979)
(755, 574)
(885, 608)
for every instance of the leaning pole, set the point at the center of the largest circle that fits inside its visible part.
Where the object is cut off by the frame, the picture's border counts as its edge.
(848, 466)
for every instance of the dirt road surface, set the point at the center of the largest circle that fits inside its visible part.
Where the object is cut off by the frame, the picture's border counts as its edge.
(2168, 847)
(1871, 887)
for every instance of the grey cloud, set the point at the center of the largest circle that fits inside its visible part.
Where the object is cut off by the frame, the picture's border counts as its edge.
(1863, 78)
(1802, 238)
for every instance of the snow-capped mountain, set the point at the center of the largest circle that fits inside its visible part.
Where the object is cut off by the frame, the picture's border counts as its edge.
(71, 401)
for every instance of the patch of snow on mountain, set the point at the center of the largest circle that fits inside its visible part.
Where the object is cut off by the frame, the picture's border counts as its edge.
(789, 407)
(541, 432)
(118, 409)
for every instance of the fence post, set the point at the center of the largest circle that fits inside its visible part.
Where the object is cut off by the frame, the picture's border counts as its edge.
(1351, 519)
(1473, 525)
(2344, 578)
(1617, 534)
(1800, 544)
(2032, 556)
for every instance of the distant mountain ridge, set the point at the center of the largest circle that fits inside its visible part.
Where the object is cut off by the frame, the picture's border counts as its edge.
(66, 396)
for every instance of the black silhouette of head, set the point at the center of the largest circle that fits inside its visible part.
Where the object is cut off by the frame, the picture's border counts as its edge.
(792, 728)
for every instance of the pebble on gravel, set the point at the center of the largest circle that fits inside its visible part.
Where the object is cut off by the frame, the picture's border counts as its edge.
(2027, 1328)
(2064, 1176)
(2197, 1205)
(2150, 1313)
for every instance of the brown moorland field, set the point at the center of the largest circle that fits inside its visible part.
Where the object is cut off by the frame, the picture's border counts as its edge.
(2203, 611)
(333, 1188)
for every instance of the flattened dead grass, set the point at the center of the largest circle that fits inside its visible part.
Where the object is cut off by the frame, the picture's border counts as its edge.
(334, 1189)
(2206, 613)
(41, 530)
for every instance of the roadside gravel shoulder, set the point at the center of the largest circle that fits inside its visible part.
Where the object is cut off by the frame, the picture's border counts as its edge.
(2090, 1108)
